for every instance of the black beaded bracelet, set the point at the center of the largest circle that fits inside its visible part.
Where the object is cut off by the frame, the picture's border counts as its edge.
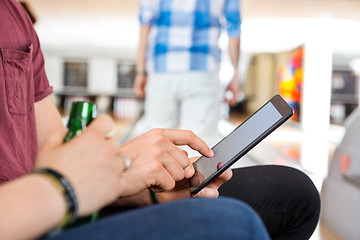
(68, 192)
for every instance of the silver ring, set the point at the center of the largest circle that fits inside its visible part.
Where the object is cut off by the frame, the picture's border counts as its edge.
(127, 162)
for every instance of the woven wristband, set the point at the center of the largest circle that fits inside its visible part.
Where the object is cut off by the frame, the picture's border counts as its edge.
(66, 190)
(153, 197)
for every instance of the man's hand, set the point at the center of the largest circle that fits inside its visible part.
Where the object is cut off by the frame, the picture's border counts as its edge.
(140, 84)
(182, 189)
(233, 88)
(91, 163)
(157, 161)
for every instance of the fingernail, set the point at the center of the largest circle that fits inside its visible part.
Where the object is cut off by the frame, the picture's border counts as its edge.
(189, 172)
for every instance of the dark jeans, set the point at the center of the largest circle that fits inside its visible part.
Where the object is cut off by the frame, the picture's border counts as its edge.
(197, 218)
(285, 199)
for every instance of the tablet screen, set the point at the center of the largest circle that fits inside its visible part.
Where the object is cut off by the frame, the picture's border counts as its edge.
(235, 142)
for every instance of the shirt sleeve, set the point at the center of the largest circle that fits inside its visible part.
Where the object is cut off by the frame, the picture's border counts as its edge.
(147, 11)
(233, 18)
(41, 83)
(42, 87)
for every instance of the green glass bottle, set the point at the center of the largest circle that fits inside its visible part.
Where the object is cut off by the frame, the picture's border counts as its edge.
(81, 115)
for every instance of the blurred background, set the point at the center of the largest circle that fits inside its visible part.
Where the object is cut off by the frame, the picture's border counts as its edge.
(306, 50)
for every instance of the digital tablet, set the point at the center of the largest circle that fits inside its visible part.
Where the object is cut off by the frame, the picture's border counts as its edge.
(235, 145)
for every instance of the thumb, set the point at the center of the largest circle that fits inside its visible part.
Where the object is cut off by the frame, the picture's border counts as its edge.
(102, 125)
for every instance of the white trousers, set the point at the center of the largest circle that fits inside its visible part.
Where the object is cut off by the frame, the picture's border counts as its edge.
(184, 100)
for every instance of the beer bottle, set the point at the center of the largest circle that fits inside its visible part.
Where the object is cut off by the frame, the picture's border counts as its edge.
(81, 114)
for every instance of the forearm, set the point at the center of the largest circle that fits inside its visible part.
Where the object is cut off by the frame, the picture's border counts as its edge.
(234, 52)
(30, 206)
(141, 57)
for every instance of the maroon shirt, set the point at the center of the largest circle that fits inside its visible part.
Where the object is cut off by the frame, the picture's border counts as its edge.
(22, 82)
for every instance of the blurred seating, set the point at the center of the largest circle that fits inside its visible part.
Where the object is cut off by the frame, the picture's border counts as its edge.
(341, 189)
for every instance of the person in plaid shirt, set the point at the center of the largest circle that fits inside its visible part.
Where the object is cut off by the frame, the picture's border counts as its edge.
(179, 59)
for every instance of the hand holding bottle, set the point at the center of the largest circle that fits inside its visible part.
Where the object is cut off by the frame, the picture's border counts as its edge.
(91, 163)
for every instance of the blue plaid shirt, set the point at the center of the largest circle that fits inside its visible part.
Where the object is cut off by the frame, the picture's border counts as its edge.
(184, 33)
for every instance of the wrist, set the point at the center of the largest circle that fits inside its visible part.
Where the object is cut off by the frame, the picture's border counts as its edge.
(141, 72)
(64, 187)
(48, 198)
